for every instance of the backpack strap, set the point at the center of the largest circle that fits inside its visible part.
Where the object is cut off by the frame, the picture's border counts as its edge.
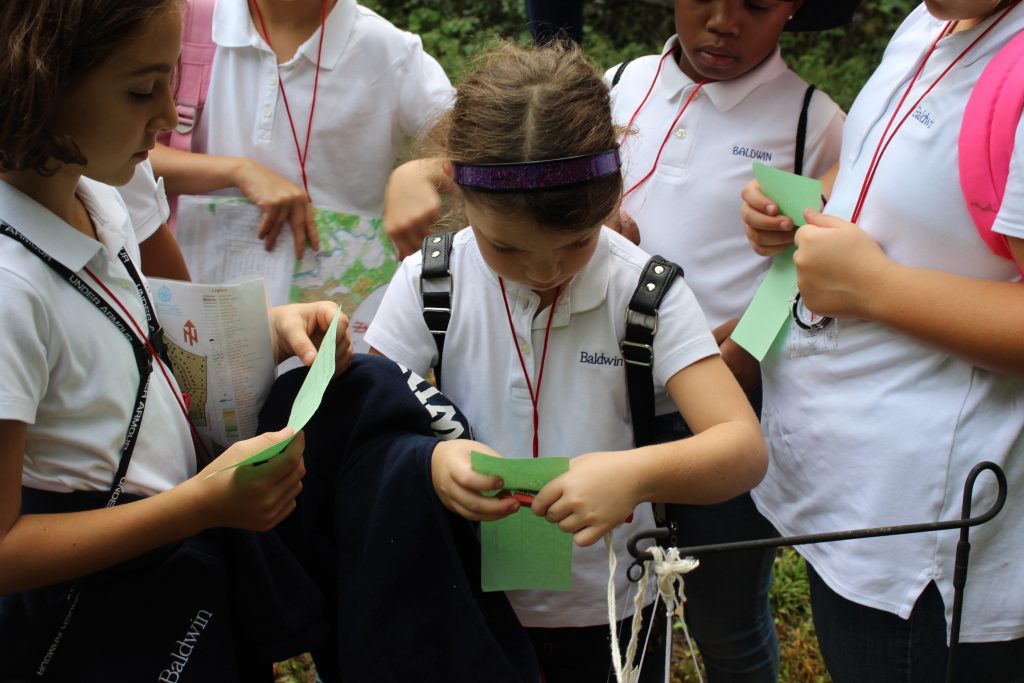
(618, 72)
(195, 71)
(801, 131)
(638, 343)
(986, 140)
(437, 303)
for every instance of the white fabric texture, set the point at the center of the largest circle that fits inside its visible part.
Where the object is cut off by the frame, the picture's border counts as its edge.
(884, 430)
(377, 89)
(65, 370)
(688, 210)
(584, 405)
(146, 201)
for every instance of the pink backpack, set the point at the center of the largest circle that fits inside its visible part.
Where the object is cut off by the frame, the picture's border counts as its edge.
(987, 136)
(197, 50)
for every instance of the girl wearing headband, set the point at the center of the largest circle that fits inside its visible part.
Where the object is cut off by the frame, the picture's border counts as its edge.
(532, 353)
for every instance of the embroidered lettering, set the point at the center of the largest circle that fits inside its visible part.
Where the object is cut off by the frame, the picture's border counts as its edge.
(751, 153)
(180, 655)
(599, 358)
(444, 420)
(924, 116)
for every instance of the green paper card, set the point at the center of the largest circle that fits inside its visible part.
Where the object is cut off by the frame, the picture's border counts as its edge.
(765, 318)
(523, 551)
(311, 393)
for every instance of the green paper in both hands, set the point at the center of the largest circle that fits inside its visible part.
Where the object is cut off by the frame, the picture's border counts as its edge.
(765, 317)
(523, 551)
(311, 393)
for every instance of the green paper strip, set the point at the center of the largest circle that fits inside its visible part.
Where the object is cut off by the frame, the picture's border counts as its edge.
(311, 393)
(765, 318)
(523, 551)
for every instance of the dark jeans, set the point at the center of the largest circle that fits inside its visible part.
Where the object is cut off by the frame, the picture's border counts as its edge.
(862, 644)
(727, 609)
(583, 654)
(549, 19)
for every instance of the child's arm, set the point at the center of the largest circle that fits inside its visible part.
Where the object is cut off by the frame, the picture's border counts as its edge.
(725, 457)
(280, 199)
(842, 272)
(461, 489)
(412, 202)
(162, 257)
(39, 550)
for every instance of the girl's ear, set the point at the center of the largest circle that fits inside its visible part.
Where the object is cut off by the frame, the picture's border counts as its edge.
(446, 167)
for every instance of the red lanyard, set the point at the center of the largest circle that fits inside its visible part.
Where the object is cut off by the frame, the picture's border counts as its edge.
(301, 151)
(206, 457)
(883, 143)
(664, 142)
(534, 395)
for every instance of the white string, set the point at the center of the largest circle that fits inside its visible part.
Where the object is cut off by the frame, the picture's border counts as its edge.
(668, 569)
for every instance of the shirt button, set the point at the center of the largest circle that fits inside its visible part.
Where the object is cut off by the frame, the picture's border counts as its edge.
(681, 133)
(267, 111)
(524, 348)
(271, 81)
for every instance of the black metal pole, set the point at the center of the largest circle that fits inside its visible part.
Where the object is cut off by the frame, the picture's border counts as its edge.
(965, 522)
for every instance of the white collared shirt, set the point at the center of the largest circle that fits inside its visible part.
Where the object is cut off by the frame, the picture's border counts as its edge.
(688, 210)
(883, 429)
(377, 89)
(146, 201)
(65, 370)
(584, 405)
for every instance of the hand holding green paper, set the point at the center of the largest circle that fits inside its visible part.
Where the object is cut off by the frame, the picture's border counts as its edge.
(308, 399)
(523, 551)
(770, 307)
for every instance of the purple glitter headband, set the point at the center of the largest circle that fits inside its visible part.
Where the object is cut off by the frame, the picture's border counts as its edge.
(524, 176)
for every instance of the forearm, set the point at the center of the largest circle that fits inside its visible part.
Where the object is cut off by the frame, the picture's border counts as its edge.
(720, 463)
(979, 321)
(40, 550)
(191, 173)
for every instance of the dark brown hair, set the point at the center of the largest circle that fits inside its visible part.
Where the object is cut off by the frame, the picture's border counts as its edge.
(48, 47)
(531, 104)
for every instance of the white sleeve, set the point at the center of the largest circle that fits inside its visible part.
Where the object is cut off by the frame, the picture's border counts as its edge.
(683, 336)
(426, 92)
(24, 363)
(1010, 219)
(398, 330)
(146, 201)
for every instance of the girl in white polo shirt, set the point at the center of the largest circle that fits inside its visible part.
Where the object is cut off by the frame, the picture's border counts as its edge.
(876, 414)
(539, 292)
(718, 97)
(309, 101)
(97, 77)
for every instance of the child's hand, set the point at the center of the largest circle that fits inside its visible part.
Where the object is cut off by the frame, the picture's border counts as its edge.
(767, 231)
(299, 329)
(412, 205)
(622, 223)
(838, 267)
(743, 366)
(460, 488)
(255, 498)
(281, 201)
(592, 498)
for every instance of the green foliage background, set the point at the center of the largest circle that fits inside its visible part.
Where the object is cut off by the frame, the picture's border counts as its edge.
(838, 61)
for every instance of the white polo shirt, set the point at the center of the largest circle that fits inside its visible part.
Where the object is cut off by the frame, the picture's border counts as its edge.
(584, 405)
(146, 201)
(377, 89)
(65, 370)
(688, 210)
(884, 430)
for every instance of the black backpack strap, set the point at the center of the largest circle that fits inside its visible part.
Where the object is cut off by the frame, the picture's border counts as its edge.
(437, 304)
(618, 72)
(638, 343)
(801, 131)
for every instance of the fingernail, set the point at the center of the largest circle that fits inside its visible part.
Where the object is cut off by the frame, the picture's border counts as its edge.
(771, 208)
(308, 357)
